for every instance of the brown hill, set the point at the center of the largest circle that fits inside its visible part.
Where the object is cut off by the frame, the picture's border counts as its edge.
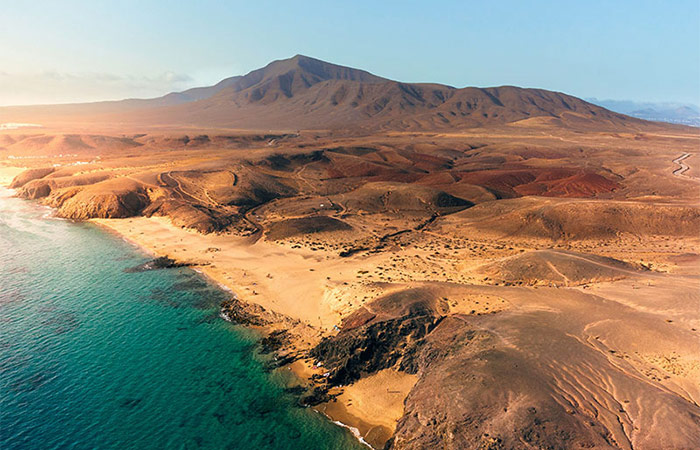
(556, 267)
(303, 92)
(304, 226)
(571, 219)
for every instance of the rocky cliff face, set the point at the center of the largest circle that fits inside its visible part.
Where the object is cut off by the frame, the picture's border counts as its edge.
(83, 197)
(43, 187)
(29, 175)
(196, 217)
(374, 346)
(103, 206)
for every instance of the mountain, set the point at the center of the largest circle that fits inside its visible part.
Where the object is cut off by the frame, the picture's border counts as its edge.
(303, 92)
(679, 113)
(190, 95)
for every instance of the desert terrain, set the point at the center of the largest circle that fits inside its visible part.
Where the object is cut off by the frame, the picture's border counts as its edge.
(443, 268)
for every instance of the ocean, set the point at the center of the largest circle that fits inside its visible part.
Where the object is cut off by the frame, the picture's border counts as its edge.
(93, 357)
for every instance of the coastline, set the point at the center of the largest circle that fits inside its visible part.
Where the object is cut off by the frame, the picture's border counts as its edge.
(367, 406)
(256, 281)
(130, 359)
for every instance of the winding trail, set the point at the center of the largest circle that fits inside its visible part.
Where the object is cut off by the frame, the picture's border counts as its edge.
(681, 171)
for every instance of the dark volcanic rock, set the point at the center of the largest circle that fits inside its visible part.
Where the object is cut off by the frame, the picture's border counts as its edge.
(240, 313)
(162, 262)
(371, 348)
(372, 341)
(274, 341)
(318, 395)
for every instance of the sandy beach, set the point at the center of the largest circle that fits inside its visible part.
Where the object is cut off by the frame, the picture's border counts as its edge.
(319, 290)
(353, 230)
(299, 283)
(302, 284)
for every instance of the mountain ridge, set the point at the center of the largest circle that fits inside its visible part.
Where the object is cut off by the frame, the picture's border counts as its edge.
(307, 93)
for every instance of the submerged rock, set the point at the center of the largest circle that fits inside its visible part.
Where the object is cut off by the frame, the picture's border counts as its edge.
(318, 395)
(162, 262)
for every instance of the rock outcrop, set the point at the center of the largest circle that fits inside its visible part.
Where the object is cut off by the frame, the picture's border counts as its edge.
(109, 199)
(29, 175)
(387, 333)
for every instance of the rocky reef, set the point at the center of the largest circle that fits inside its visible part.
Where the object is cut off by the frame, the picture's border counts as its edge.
(162, 262)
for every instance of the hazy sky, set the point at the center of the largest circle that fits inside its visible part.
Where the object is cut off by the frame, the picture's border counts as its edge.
(74, 50)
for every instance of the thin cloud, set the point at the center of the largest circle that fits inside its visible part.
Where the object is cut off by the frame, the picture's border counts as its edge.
(61, 87)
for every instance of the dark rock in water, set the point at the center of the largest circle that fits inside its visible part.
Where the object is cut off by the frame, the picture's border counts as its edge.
(209, 318)
(280, 361)
(31, 382)
(129, 403)
(62, 322)
(162, 262)
(274, 341)
(164, 298)
(192, 284)
(240, 313)
(220, 417)
(295, 390)
(318, 395)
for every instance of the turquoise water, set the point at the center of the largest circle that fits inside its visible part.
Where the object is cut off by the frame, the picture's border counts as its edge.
(92, 357)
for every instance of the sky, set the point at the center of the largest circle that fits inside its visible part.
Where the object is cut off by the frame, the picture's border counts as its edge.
(80, 50)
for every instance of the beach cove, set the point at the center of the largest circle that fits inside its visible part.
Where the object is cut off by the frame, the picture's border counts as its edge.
(95, 357)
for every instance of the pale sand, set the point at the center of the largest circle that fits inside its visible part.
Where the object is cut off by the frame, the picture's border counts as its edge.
(372, 405)
(291, 282)
(379, 395)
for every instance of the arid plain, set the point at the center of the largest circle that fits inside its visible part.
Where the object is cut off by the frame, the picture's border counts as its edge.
(443, 268)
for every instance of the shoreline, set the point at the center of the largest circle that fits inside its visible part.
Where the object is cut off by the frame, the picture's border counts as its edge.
(371, 431)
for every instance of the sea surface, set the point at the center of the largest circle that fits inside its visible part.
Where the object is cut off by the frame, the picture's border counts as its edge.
(92, 357)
